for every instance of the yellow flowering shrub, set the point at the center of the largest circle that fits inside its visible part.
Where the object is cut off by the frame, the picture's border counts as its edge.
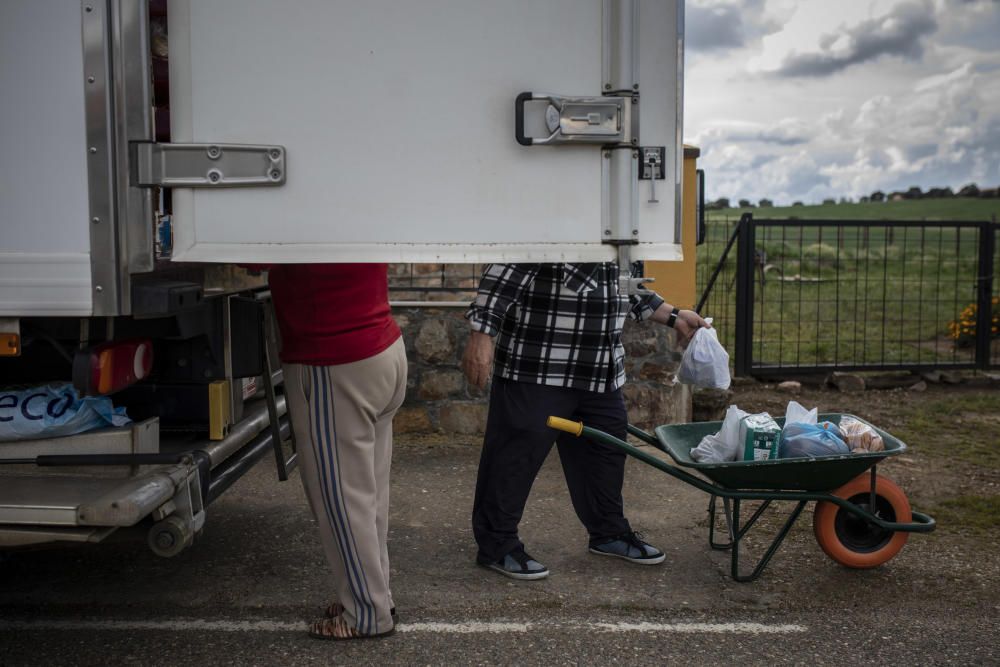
(963, 330)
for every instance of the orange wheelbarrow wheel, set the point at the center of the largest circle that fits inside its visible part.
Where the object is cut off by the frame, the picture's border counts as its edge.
(854, 542)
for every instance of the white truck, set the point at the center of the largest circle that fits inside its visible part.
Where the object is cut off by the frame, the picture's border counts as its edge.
(151, 145)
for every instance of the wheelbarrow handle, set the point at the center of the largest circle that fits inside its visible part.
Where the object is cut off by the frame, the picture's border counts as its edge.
(597, 435)
(567, 425)
(922, 523)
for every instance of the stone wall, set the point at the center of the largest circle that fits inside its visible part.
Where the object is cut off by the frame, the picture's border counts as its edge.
(440, 400)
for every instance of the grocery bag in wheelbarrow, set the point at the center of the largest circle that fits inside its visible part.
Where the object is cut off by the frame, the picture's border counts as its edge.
(54, 410)
(811, 440)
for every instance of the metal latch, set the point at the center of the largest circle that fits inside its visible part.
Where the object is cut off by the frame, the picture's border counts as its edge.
(590, 120)
(207, 165)
(630, 285)
(651, 169)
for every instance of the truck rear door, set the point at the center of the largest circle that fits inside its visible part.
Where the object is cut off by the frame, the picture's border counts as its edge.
(391, 129)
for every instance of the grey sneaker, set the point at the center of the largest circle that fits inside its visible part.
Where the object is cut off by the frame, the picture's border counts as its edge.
(517, 565)
(630, 547)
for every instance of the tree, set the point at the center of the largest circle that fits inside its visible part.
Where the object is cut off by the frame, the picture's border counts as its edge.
(765, 203)
(913, 193)
(829, 202)
(970, 190)
(797, 203)
(878, 196)
(745, 203)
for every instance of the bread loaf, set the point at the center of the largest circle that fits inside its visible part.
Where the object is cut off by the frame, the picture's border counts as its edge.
(861, 437)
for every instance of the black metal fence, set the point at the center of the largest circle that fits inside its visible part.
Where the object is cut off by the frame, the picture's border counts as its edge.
(434, 282)
(995, 301)
(716, 278)
(815, 295)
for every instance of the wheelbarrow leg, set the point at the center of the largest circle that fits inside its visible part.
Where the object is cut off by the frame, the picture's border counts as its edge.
(728, 514)
(737, 534)
(719, 546)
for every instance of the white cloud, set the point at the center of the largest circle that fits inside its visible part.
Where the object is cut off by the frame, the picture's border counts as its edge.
(716, 25)
(785, 132)
(869, 107)
(824, 37)
(944, 79)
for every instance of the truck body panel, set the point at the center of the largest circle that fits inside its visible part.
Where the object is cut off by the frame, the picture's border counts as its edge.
(45, 266)
(396, 126)
(398, 123)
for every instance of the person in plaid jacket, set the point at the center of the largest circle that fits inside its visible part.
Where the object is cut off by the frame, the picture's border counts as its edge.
(552, 335)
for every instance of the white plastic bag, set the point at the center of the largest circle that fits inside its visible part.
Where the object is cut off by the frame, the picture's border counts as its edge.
(724, 445)
(796, 414)
(705, 362)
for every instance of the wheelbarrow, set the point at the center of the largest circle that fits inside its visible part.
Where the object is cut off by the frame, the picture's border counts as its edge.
(862, 519)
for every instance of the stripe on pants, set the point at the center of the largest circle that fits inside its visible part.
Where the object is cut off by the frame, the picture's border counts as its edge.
(334, 515)
(338, 491)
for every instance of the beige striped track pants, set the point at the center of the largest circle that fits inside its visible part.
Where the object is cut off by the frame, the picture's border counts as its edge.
(342, 419)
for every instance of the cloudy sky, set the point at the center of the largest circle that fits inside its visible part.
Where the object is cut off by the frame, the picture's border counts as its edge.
(808, 99)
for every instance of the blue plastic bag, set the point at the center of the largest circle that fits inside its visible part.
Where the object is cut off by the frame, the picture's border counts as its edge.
(54, 410)
(811, 440)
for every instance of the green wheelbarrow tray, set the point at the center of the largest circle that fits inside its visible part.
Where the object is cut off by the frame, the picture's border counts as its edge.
(823, 473)
(855, 522)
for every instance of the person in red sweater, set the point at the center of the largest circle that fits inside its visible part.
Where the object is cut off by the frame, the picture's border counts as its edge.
(345, 376)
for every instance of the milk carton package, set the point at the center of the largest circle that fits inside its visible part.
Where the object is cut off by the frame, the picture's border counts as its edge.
(759, 435)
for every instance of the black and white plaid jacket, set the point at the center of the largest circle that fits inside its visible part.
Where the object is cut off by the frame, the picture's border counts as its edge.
(557, 324)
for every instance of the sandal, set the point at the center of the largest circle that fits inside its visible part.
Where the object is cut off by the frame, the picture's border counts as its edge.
(337, 629)
(336, 609)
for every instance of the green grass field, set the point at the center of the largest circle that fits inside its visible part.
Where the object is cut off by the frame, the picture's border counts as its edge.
(879, 294)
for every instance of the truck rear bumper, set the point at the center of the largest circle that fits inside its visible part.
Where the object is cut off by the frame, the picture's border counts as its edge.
(73, 504)
(48, 501)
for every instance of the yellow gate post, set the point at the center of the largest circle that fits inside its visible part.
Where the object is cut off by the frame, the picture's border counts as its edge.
(676, 281)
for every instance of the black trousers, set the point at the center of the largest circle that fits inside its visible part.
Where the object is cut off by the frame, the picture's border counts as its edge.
(516, 444)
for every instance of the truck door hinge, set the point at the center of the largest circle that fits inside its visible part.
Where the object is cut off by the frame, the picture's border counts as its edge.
(207, 165)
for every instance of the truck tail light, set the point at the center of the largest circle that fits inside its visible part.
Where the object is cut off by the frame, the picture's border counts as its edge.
(10, 345)
(110, 367)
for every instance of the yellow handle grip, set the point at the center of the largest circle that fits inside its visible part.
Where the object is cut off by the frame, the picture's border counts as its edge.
(560, 424)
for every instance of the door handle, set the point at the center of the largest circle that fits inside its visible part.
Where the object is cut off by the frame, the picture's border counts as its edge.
(605, 120)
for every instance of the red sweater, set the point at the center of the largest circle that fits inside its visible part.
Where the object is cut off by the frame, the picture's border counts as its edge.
(332, 313)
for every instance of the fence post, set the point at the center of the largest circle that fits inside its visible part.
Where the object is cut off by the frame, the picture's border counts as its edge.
(744, 295)
(984, 302)
(718, 267)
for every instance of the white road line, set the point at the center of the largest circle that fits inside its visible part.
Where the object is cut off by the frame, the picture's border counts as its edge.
(714, 628)
(167, 625)
(468, 627)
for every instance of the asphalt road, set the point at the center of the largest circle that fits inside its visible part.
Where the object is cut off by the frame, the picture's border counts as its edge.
(244, 592)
